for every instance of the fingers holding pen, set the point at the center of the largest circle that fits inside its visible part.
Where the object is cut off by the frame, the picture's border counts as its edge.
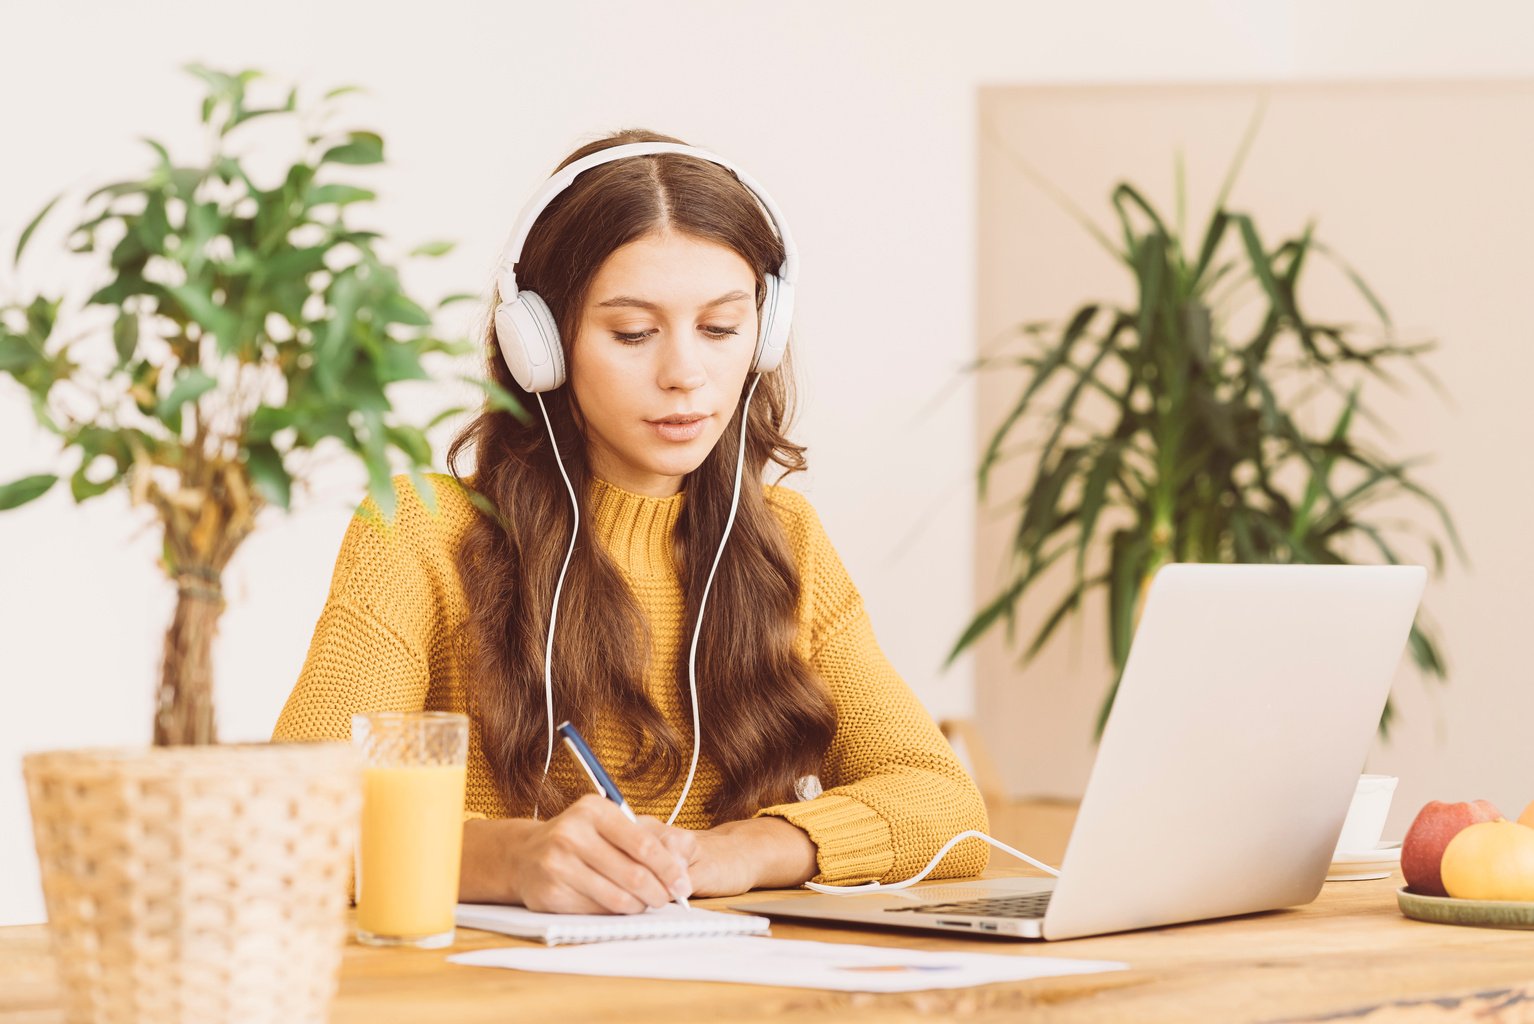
(591, 858)
(648, 842)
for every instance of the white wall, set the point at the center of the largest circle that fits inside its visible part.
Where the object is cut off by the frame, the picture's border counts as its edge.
(858, 116)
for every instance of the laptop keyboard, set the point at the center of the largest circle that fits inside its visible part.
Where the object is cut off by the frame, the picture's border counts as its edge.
(1030, 904)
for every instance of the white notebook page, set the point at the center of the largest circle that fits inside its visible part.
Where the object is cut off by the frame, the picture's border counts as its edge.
(668, 922)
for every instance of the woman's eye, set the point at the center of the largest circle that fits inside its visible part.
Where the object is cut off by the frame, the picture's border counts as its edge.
(635, 337)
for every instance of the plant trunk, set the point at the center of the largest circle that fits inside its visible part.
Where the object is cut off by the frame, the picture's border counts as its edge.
(184, 709)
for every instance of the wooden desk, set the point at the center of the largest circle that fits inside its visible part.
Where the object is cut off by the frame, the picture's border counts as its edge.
(1349, 956)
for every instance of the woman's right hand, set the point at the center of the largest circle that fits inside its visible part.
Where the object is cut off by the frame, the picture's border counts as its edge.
(590, 859)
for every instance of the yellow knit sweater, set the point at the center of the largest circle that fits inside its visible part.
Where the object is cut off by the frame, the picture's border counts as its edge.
(391, 638)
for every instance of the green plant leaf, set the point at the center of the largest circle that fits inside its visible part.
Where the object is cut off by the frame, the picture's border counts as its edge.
(397, 360)
(152, 225)
(1126, 192)
(83, 488)
(26, 232)
(1042, 516)
(360, 148)
(1261, 266)
(423, 489)
(433, 249)
(161, 152)
(42, 315)
(125, 337)
(1105, 467)
(198, 303)
(1212, 238)
(988, 616)
(399, 309)
(295, 263)
(412, 441)
(248, 115)
(498, 399)
(1358, 282)
(1068, 606)
(445, 415)
(1244, 148)
(1425, 653)
(1321, 472)
(28, 488)
(117, 190)
(268, 474)
(375, 458)
(17, 354)
(362, 390)
(340, 195)
(1059, 357)
(1128, 563)
(334, 351)
(191, 383)
(1106, 707)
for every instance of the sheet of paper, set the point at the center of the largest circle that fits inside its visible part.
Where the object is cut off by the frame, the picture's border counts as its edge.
(791, 963)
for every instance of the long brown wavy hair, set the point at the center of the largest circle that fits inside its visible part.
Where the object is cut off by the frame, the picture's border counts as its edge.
(767, 719)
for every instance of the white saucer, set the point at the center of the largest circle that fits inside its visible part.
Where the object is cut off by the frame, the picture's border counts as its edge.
(1358, 865)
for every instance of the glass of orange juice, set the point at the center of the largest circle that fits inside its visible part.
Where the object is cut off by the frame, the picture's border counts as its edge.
(413, 774)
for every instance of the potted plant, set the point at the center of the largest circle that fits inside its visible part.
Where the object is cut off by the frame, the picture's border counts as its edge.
(239, 330)
(1176, 440)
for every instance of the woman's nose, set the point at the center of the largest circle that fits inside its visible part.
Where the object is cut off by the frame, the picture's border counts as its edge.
(681, 365)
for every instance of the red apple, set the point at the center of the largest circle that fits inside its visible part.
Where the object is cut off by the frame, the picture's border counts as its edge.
(1436, 824)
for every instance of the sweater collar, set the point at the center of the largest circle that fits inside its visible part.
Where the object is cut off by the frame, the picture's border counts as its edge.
(635, 528)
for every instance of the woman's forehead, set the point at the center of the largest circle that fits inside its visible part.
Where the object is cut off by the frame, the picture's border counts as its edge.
(671, 269)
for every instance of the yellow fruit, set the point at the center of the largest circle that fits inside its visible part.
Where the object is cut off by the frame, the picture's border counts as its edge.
(1491, 860)
(1527, 817)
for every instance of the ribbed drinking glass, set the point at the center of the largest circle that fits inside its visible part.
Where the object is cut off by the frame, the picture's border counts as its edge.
(413, 776)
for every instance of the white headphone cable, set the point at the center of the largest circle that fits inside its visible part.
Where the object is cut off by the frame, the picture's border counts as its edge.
(692, 655)
(893, 886)
(692, 679)
(548, 653)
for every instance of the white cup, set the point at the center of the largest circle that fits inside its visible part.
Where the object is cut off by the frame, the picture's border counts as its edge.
(1365, 822)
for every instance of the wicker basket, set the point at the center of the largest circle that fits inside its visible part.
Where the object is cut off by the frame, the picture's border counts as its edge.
(196, 884)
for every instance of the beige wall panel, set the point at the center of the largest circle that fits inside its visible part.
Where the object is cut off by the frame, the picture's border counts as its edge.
(1426, 189)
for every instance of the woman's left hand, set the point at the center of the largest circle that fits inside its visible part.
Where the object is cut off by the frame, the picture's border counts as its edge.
(738, 856)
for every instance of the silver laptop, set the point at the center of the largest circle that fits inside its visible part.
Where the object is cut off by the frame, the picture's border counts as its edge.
(1245, 712)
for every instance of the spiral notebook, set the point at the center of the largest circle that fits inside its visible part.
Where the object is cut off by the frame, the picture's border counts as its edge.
(668, 922)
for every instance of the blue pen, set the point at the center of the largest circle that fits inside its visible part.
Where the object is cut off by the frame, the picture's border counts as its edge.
(598, 775)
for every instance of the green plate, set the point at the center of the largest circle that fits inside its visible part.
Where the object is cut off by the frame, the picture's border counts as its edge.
(1448, 910)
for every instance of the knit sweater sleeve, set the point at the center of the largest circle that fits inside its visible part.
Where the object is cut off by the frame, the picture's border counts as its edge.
(893, 790)
(369, 648)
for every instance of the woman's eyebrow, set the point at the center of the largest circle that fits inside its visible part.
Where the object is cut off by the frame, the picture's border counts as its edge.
(629, 300)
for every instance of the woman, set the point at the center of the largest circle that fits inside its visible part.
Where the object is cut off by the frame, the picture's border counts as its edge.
(811, 759)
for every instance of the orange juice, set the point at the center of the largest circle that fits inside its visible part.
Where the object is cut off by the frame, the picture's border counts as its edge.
(412, 839)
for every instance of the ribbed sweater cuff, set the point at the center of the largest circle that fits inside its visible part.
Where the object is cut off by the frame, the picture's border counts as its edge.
(852, 839)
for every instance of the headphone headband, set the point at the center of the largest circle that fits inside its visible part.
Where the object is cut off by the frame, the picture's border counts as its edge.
(505, 275)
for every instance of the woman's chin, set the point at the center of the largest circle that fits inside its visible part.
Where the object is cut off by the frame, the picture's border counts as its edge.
(677, 458)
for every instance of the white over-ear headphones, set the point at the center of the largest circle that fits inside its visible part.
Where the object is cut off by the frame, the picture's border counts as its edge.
(525, 327)
(529, 342)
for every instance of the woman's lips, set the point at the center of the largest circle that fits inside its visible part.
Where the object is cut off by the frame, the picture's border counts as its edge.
(679, 431)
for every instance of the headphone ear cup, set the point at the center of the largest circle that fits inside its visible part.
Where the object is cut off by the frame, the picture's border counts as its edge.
(529, 342)
(777, 315)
